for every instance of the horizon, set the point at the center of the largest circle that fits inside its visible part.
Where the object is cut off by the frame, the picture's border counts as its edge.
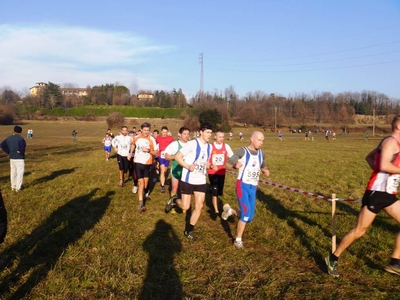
(281, 47)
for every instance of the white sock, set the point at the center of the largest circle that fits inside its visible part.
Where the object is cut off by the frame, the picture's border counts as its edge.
(238, 239)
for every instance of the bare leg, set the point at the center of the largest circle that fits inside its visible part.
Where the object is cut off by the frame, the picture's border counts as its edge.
(199, 198)
(394, 211)
(240, 229)
(214, 200)
(184, 203)
(364, 221)
(163, 170)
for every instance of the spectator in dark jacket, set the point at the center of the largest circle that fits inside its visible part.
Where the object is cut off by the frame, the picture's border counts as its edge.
(15, 146)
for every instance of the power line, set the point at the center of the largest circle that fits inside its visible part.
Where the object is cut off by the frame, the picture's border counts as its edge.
(307, 70)
(306, 56)
(314, 62)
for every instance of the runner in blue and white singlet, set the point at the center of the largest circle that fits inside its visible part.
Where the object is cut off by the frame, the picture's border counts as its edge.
(250, 161)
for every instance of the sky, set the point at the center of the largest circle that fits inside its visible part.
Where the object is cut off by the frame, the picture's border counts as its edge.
(274, 46)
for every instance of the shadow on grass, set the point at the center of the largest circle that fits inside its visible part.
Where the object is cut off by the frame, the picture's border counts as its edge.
(7, 178)
(52, 176)
(214, 217)
(290, 217)
(30, 259)
(162, 280)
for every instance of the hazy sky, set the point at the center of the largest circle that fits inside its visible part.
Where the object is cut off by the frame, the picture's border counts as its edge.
(275, 46)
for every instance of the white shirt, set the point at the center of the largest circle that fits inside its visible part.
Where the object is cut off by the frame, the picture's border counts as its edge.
(123, 143)
(195, 152)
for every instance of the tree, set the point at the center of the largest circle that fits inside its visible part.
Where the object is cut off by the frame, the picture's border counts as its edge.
(115, 119)
(8, 96)
(211, 116)
(52, 95)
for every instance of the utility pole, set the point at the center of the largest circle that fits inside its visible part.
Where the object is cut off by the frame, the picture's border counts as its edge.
(201, 75)
(373, 121)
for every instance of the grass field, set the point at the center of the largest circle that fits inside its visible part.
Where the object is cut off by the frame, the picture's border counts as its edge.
(74, 234)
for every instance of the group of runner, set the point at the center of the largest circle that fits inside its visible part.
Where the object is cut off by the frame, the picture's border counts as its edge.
(191, 162)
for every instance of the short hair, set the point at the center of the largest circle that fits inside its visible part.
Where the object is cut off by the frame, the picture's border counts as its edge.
(145, 125)
(205, 126)
(395, 121)
(156, 130)
(131, 132)
(182, 129)
(164, 128)
(219, 130)
(124, 127)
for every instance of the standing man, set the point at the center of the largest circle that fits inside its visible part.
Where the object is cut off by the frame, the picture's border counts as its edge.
(74, 134)
(250, 161)
(194, 158)
(176, 169)
(15, 146)
(219, 154)
(144, 146)
(163, 141)
(380, 195)
(122, 143)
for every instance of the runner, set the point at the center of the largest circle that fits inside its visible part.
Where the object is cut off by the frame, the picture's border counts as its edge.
(176, 169)
(163, 141)
(220, 153)
(194, 160)
(144, 146)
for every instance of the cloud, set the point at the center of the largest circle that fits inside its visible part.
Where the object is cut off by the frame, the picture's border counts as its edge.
(48, 52)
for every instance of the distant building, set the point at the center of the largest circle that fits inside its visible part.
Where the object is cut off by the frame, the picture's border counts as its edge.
(79, 92)
(35, 90)
(145, 96)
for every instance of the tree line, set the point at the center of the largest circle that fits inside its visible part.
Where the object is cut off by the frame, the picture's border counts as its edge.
(257, 108)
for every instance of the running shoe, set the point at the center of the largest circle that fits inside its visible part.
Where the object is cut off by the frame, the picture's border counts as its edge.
(393, 268)
(134, 189)
(142, 209)
(163, 189)
(227, 212)
(121, 183)
(238, 245)
(332, 267)
(190, 236)
(147, 196)
(169, 205)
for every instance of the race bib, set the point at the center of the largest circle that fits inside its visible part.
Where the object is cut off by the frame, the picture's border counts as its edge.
(392, 184)
(252, 174)
(218, 159)
(200, 168)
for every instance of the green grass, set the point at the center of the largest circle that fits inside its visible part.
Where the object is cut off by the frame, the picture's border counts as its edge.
(74, 234)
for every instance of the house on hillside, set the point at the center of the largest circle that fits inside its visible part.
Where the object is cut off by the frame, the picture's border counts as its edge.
(145, 96)
(79, 92)
(35, 90)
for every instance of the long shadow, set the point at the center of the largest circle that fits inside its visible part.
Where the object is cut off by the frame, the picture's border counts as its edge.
(162, 280)
(7, 177)
(289, 216)
(210, 211)
(37, 253)
(52, 176)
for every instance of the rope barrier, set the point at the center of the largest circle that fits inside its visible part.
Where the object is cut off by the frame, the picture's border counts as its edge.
(281, 186)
